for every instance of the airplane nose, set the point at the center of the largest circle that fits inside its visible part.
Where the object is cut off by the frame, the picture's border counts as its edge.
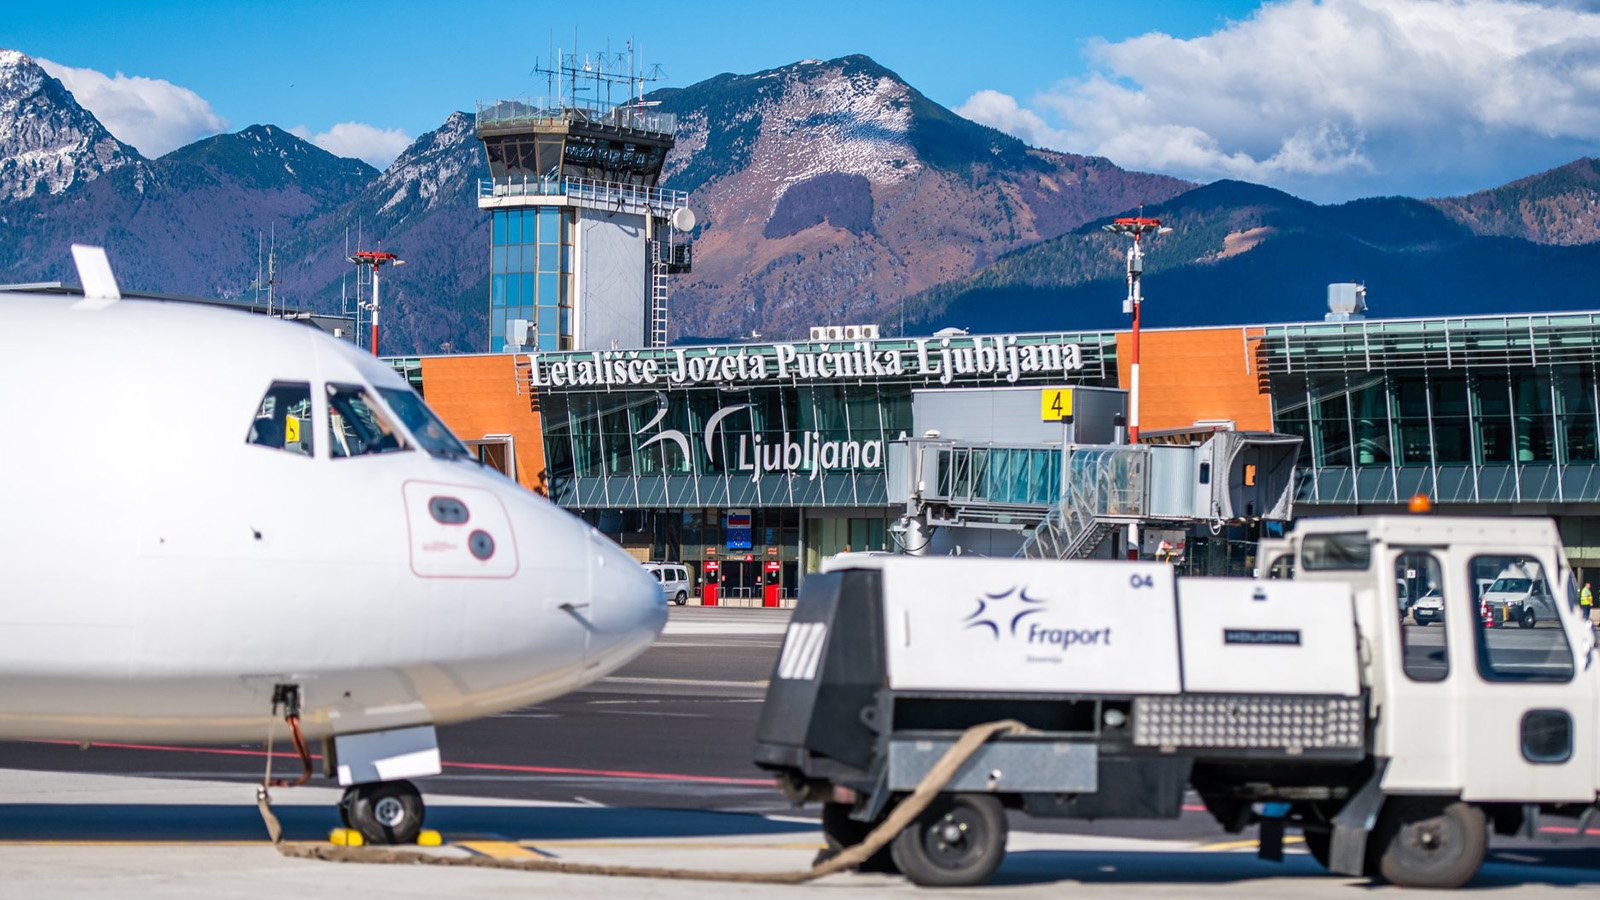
(627, 608)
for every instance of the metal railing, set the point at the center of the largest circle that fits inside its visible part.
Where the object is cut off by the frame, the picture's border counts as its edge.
(1072, 529)
(586, 190)
(566, 110)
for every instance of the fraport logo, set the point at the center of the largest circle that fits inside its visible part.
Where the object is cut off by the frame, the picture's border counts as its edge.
(1013, 612)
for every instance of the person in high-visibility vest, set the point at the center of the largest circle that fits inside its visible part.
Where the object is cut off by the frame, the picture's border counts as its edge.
(1586, 600)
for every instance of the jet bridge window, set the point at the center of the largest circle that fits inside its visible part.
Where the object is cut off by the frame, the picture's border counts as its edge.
(1419, 593)
(356, 426)
(1517, 628)
(283, 420)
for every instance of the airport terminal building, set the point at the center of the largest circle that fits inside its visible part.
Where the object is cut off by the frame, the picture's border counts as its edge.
(764, 458)
(755, 461)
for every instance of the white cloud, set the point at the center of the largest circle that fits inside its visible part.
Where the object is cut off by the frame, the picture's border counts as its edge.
(153, 115)
(1336, 99)
(358, 140)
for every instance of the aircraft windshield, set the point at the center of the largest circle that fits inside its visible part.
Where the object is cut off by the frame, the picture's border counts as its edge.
(355, 424)
(1511, 586)
(422, 423)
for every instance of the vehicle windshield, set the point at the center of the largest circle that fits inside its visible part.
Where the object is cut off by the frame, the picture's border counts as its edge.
(1511, 586)
(422, 423)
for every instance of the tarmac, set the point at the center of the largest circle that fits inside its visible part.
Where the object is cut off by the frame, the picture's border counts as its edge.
(78, 835)
(649, 767)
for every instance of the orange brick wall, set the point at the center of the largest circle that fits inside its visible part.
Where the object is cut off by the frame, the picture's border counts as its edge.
(1194, 374)
(477, 396)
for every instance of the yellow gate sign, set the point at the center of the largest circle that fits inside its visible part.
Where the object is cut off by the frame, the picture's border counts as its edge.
(291, 430)
(1056, 404)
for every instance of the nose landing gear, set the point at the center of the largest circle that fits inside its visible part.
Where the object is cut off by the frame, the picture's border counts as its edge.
(384, 812)
(379, 803)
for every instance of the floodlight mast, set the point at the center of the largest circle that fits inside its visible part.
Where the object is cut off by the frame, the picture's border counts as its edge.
(1137, 227)
(377, 259)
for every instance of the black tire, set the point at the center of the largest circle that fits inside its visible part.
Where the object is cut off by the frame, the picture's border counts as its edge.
(842, 832)
(386, 812)
(1430, 843)
(1527, 618)
(681, 599)
(958, 841)
(344, 806)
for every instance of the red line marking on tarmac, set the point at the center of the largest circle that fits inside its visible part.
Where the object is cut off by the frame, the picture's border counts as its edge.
(494, 767)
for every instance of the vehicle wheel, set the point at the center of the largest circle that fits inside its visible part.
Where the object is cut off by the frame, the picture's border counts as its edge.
(344, 806)
(958, 840)
(1431, 843)
(1526, 620)
(1320, 845)
(841, 832)
(681, 599)
(386, 812)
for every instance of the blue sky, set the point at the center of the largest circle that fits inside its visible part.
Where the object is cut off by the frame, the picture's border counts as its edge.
(1329, 99)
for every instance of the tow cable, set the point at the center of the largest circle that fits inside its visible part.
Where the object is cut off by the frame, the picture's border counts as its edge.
(901, 816)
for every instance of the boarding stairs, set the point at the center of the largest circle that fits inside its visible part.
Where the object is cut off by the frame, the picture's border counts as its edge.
(1072, 529)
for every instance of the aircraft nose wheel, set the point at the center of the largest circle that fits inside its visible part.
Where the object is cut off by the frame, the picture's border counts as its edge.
(384, 812)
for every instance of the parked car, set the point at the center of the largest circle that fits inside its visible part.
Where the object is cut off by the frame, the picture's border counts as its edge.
(676, 582)
(1428, 609)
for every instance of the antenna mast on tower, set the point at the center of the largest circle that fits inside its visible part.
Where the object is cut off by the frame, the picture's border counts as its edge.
(1136, 227)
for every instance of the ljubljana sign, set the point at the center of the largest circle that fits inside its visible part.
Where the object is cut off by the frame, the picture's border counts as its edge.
(943, 359)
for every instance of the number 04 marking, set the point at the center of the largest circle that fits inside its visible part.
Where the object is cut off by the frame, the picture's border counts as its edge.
(1141, 581)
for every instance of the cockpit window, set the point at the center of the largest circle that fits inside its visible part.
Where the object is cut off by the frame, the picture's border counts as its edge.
(356, 427)
(422, 423)
(283, 420)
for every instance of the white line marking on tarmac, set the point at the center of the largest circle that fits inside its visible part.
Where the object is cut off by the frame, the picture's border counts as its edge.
(650, 712)
(687, 682)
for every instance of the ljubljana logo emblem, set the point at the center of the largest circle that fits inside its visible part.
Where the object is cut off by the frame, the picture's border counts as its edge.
(1005, 610)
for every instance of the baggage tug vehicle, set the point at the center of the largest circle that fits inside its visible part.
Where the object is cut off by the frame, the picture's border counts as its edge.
(1298, 700)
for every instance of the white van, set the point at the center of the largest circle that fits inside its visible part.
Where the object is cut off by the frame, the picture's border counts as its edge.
(675, 581)
(1521, 589)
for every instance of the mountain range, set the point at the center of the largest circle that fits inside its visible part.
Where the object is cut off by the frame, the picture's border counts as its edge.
(827, 192)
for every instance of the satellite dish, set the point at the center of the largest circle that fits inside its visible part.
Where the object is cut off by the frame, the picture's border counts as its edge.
(683, 219)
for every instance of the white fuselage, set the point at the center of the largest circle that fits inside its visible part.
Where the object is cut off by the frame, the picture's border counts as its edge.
(160, 574)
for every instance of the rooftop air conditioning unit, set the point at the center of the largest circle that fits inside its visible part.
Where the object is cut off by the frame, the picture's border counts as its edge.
(833, 333)
(516, 332)
(869, 332)
(818, 333)
(852, 332)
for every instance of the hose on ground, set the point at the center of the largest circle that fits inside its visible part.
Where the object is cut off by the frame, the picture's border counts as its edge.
(903, 814)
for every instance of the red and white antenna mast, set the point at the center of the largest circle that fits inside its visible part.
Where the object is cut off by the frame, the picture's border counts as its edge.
(377, 259)
(1137, 227)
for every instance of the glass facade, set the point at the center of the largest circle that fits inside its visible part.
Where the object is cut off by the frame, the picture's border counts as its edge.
(790, 445)
(530, 276)
(1487, 410)
(794, 437)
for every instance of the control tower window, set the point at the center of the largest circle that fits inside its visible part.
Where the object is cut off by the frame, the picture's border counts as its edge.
(283, 420)
(356, 427)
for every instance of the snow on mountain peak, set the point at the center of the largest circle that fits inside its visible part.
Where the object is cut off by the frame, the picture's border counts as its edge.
(47, 141)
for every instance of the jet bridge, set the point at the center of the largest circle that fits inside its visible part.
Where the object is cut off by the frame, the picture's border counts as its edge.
(1064, 501)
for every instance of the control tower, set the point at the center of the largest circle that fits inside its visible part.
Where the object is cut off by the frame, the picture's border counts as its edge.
(583, 240)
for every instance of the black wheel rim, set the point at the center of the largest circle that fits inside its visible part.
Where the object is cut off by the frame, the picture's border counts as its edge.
(1431, 842)
(956, 839)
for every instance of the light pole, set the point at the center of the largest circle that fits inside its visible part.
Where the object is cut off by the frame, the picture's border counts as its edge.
(377, 259)
(1137, 227)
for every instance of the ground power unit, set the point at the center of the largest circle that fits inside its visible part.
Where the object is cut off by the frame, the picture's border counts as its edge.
(1308, 702)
